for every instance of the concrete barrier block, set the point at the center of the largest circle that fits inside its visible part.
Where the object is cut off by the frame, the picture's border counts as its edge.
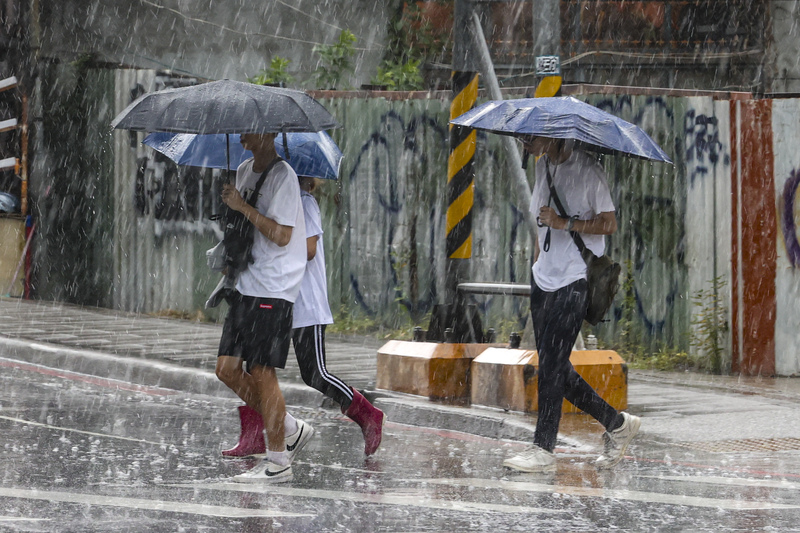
(439, 371)
(508, 379)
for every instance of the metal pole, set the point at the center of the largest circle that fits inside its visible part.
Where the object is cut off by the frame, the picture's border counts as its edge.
(509, 145)
(460, 165)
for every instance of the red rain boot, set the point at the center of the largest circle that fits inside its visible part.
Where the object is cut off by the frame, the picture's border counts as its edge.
(370, 419)
(251, 440)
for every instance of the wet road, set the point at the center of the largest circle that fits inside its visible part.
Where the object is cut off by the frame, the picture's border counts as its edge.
(81, 453)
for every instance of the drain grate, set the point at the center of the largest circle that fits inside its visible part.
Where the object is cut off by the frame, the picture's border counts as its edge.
(744, 445)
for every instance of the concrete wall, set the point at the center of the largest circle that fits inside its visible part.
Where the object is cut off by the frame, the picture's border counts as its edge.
(212, 39)
(785, 49)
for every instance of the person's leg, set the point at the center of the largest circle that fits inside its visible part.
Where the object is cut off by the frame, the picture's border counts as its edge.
(557, 318)
(271, 405)
(309, 347)
(230, 370)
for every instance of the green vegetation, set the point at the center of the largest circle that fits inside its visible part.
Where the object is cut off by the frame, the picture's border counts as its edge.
(275, 74)
(348, 322)
(336, 61)
(414, 39)
(709, 325)
(400, 76)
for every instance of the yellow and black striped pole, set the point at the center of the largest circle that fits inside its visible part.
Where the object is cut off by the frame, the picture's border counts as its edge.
(461, 169)
(460, 180)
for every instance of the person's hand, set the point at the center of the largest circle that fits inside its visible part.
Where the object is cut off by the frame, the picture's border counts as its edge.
(549, 217)
(232, 198)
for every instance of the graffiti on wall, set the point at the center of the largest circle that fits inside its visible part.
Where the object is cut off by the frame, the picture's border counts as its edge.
(178, 198)
(649, 200)
(395, 202)
(788, 218)
(175, 197)
(702, 144)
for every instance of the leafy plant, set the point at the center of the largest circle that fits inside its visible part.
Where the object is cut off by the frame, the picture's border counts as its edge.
(347, 322)
(630, 335)
(275, 74)
(336, 60)
(400, 77)
(709, 325)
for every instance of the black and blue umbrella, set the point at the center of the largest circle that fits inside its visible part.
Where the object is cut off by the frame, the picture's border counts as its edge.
(563, 118)
(315, 155)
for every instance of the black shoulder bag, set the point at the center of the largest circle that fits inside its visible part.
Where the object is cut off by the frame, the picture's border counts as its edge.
(238, 231)
(602, 272)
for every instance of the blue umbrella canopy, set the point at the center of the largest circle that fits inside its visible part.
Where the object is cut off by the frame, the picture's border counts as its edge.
(311, 154)
(563, 118)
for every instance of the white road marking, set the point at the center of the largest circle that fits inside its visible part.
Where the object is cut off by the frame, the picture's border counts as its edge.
(339, 467)
(150, 505)
(416, 499)
(22, 519)
(630, 495)
(59, 428)
(732, 481)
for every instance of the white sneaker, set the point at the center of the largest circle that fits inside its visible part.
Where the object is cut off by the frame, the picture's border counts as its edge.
(533, 459)
(298, 439)
(616, 442)
(266, 472)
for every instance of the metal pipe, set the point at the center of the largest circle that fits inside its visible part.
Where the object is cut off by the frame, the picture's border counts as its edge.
(509, 145)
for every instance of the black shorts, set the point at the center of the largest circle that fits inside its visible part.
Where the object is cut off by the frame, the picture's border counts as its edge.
(257, 330)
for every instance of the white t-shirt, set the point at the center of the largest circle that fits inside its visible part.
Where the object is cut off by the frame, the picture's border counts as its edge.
(582, 188)
(276, 271)
(311, 307)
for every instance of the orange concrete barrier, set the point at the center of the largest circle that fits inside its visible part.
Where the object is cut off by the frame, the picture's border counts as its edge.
(506, 378)
(439, 371)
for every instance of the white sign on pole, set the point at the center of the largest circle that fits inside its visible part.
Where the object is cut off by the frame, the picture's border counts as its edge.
(548, 66)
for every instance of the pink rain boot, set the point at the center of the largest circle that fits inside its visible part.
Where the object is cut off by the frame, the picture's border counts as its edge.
(370, 419)
(251, 440)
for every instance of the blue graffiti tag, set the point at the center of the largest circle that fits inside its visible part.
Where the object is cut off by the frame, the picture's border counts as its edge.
(392, 203)
(788, 224)
(703, 147)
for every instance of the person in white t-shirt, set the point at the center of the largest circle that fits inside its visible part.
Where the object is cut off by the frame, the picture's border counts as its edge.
(311, 314)
(258, 327)
(559, 297)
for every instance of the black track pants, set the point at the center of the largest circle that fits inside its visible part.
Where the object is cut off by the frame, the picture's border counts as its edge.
(557, 319)
(309, 345)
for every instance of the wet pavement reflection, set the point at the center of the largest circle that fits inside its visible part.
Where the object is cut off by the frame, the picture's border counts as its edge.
(87, 454)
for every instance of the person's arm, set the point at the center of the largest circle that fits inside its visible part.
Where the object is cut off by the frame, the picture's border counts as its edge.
(277, 233)
(603, 224)
(311, 247)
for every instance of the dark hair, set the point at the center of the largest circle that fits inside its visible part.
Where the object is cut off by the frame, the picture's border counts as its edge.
(307, 179)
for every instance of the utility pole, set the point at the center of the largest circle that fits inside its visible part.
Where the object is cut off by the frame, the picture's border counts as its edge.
(460, 165)
(547, 43)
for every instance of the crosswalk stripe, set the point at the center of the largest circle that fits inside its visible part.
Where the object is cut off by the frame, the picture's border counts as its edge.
(415, 499)
(70, 430)
(732, 481)
(611, 494)
(151, 505)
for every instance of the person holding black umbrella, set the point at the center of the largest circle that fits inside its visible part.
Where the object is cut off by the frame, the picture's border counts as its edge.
(570, 195)
(258, 328)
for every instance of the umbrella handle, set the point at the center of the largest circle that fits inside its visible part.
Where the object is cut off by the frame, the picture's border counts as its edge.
(285, 139)
(228, 158)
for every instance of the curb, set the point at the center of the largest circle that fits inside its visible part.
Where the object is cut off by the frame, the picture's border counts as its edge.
(399, 408)
(136, 370)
